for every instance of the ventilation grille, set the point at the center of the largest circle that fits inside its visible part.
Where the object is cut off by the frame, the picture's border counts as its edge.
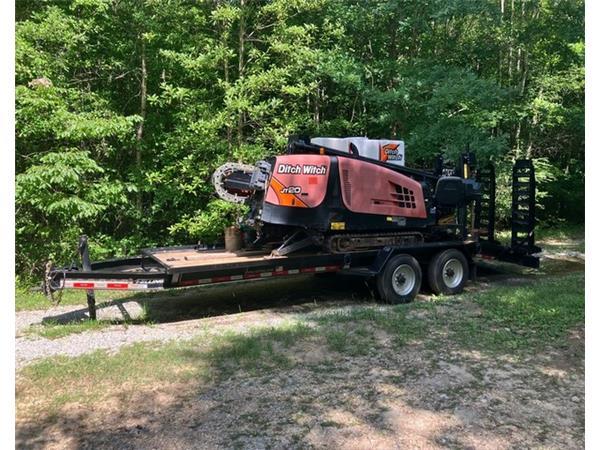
(405, 198)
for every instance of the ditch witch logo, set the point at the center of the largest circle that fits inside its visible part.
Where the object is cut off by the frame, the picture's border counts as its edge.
(305, 169)
(390, 152)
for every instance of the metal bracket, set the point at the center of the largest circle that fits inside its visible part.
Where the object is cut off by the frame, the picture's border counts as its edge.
(290, 246)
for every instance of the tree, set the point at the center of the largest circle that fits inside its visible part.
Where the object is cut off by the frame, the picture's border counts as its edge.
(124, 108)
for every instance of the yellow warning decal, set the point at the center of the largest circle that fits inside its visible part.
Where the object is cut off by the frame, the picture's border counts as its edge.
(447, 220)
(338, 225)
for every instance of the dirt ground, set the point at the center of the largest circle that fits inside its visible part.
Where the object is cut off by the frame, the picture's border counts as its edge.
(420, 397)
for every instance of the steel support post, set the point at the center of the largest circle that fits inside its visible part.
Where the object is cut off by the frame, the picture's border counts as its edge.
(87, 266)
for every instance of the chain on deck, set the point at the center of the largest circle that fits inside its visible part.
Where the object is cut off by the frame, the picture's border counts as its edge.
(342, 243)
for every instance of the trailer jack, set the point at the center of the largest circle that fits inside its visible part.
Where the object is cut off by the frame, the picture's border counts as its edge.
(87, 266)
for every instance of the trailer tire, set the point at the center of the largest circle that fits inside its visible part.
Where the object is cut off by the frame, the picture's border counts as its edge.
(448, 272)
(400, 280)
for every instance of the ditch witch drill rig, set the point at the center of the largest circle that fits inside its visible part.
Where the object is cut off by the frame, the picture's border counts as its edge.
(345, 198)
(338, 205)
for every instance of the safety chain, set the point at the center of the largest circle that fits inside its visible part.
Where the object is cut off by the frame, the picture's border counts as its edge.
(53, 294)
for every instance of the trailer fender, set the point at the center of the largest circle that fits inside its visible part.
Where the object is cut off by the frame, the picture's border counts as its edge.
(383, 256)
(423, 255)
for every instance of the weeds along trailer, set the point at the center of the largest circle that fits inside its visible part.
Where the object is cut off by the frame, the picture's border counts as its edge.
(352, 208)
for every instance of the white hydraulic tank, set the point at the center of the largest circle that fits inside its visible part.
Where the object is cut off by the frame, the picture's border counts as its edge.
(379, 149)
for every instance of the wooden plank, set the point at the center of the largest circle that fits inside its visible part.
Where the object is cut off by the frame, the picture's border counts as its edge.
(191, 258)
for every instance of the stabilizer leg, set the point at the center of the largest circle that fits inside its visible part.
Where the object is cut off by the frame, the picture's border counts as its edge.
(87, 266)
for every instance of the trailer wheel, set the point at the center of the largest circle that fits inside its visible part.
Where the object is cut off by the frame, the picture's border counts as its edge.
(400, 280)
(448, 272)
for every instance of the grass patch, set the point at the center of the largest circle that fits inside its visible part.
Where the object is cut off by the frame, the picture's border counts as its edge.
(52, 329)
(260, 349)
(562, 232)
(54, 382)
(136, 363)
(524, 317)
(55, 330)
(331, 424)
(562, 237)
(349, 340)
(392, 320)
(27, 299)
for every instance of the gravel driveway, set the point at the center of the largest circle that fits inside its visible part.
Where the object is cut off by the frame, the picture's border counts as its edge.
(219, 311)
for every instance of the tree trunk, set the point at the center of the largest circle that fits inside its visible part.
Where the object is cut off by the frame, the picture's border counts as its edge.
(523, 57)
(224, 35)
(317, 110)
(518, 138)
(500, 46)
(510, 42)
(241, 38)
(534, 123)
(525, 71)
(140, 129)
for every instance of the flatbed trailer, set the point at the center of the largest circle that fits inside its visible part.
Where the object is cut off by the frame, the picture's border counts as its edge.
(185, 266)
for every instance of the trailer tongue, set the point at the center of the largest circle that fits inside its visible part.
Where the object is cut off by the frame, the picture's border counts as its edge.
(320, 209)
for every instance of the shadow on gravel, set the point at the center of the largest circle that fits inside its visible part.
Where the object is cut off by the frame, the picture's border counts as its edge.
(409, 395)
(283, 295)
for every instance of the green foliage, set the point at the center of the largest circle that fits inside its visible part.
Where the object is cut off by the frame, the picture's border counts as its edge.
(124, 109)
(546, 175)
(209, 223)
(58, 196)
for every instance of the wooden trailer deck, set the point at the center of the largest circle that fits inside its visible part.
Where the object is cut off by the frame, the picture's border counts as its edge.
(181, 258)
(185, 265)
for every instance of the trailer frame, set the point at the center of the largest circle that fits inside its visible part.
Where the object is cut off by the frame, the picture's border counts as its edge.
(145, 272)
